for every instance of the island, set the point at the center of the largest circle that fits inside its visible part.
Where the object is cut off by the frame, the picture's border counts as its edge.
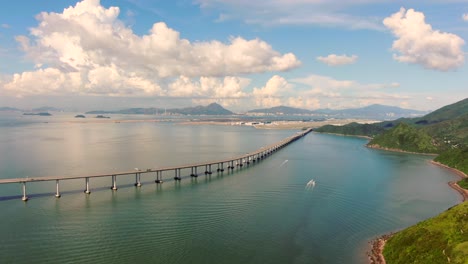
(38, 114)
(80, 116)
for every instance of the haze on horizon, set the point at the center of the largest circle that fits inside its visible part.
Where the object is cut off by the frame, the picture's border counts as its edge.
(92, 54)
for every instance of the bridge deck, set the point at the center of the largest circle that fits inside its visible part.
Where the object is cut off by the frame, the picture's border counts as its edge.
(260, 151)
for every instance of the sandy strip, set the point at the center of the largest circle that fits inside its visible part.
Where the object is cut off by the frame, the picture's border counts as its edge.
(454, 185)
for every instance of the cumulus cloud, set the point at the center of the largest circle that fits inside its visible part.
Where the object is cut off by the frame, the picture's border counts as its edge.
(89, 45)
(418, 43)
(338, 60)
(270, 94)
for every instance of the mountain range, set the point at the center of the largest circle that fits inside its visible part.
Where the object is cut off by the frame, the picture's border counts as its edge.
(436, 132)
(377, 112)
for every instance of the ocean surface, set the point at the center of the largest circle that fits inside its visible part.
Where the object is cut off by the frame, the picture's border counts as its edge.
(259, 214)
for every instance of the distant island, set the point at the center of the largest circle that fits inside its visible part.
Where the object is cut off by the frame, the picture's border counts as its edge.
(80, 116)
(38, 114)
(102, 116)
(211, 109)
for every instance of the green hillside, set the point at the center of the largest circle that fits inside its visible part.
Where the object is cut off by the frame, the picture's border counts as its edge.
(455, 158)
(445, 113)
(442, 239)
(369, 130)
(407, 138)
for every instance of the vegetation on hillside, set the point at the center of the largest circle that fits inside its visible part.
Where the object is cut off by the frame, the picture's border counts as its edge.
(442, 239)
(353, 129)
(455, 158)
(405, 137)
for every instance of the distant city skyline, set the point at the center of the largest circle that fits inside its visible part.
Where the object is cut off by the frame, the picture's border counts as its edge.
(91, 54)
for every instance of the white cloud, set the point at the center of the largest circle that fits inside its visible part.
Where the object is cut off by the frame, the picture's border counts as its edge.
(418, 43)
(338, 60)
(270, 94)
(465, 17)
(5, 25)
(89, 42)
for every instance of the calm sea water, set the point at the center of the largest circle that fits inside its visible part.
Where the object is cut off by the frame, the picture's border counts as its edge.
(261, 214)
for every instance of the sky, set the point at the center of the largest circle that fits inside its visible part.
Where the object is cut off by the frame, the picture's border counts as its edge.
(311, 54)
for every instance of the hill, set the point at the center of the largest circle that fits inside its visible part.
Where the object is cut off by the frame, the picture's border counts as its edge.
(405, 137)
(442, 239)
(211, 109)
(9, 109)
(282, 110)
(368, 130)
(447, 127)
(375, 111)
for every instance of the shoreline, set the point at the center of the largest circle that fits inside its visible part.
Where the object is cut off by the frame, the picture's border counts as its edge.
(375, 255)
(375, 146)
(453, 184)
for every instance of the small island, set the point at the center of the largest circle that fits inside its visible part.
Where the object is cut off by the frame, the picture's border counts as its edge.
(39, 114)
(102, 116)
(80, 116)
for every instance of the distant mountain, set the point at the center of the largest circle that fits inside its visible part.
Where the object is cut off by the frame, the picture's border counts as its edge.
(281, 110)
(46, 109)
(10, 109)
(436, 132)
(211, 109)
(445, 113)
(375, 111)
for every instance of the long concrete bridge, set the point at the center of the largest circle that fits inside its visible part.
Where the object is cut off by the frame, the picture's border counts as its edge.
(219, 165)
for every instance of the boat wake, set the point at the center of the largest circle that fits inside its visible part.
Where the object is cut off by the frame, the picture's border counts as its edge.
(310, 184)
(284, 162)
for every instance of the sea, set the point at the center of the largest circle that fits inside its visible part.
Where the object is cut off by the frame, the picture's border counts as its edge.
(262, 213)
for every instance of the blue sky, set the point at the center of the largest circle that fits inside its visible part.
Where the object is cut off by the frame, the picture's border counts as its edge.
(242, 54)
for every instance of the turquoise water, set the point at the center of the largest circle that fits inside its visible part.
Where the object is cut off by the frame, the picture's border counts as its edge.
(261, 214)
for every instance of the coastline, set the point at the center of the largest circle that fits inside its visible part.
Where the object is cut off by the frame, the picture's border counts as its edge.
(375, 146)
(375, 255)
(454, 185)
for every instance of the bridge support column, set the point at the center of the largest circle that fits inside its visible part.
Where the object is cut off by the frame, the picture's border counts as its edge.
(158, 177)
(177, 175)
(209, 169)
(57, 194)
(87, 186)
(25, 197)
(114, 183)
(138, 179)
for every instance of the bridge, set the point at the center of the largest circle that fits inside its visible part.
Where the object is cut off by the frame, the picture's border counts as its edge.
(231, 163)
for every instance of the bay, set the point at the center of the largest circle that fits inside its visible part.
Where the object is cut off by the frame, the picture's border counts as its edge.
(259, 214)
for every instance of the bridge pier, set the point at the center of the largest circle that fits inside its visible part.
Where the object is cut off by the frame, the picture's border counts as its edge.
(138, 179)
(158, 177)
(177, 175)
(220, 167)
(57, 194)
(114, 183)
(25, 197)
(194, 172)
(87, 186)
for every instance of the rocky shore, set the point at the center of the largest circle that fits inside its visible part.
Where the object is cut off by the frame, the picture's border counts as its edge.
(375, 255)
